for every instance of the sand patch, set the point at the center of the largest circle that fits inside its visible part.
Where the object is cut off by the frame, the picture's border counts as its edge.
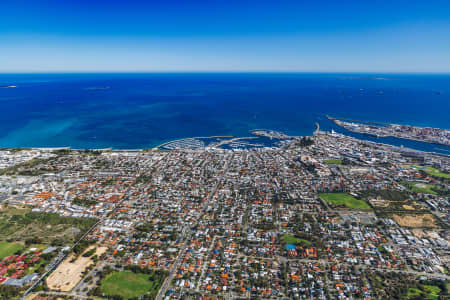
(68, 273)
(425, 220)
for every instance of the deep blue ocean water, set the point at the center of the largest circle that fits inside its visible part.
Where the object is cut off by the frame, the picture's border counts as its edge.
(145, 110)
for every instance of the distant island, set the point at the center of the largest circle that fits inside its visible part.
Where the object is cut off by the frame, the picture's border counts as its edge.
(7, 86)
(368, 78)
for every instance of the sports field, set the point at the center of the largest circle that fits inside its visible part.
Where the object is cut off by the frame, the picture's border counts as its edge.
(344, 199)
(433, 171)
(7, 249)
(128, 284)
(419, 187)
(290, 239)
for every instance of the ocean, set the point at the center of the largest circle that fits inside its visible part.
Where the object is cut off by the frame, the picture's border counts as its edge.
(134, 111)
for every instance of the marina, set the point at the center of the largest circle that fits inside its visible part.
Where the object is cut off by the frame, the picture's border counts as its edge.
(262, 139)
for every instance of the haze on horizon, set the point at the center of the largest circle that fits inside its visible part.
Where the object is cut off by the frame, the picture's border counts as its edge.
(170, 36)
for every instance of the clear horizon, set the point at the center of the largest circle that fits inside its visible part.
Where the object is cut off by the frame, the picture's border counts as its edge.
(69, 72)
(48, 36)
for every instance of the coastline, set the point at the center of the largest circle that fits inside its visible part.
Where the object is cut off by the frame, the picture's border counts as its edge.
(157, 148)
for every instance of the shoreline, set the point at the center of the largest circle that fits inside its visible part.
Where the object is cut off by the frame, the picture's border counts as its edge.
(264, 133)
(157, 147)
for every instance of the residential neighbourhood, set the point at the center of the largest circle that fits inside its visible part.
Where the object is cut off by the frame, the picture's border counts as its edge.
(324, 217)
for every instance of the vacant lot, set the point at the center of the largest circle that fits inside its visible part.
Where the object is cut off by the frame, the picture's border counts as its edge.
(333, 162)
(69, 273)
(22, 224)
(343, 199)
(425, 220)
(7, 249)
(384, 194)
(128, 284)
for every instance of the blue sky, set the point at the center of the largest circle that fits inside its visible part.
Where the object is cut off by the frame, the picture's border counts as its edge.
(224, 35)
